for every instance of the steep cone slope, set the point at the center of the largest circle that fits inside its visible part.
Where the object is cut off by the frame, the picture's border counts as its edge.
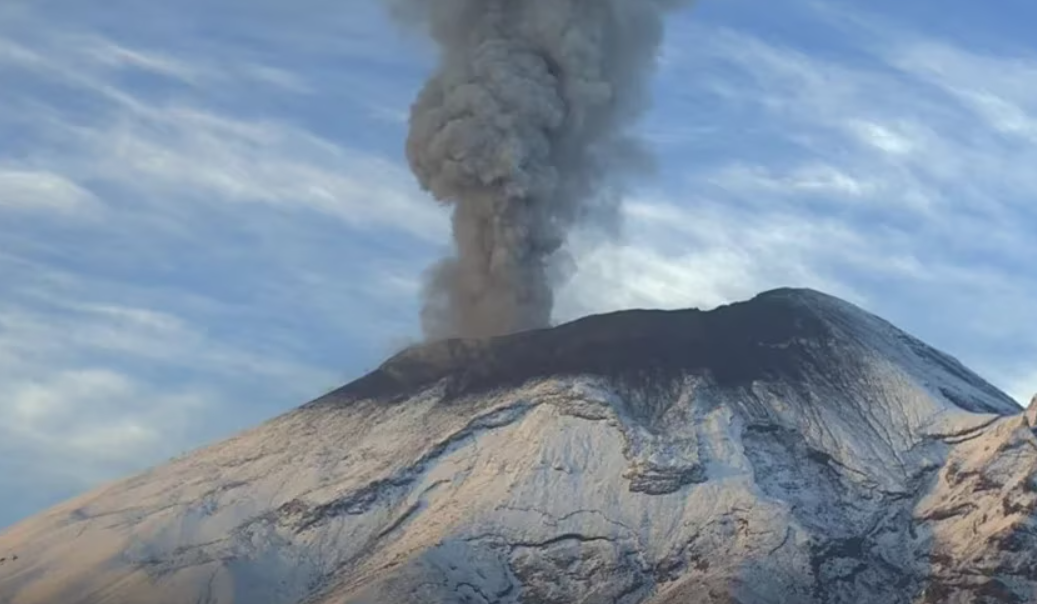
(792, 448)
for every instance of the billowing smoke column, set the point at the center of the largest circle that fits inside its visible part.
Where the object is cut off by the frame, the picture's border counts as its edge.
(523, 129)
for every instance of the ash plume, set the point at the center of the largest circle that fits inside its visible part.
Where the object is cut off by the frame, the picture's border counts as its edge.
(524, 130)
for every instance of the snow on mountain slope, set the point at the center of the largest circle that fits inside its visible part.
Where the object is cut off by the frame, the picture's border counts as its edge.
(791, 448)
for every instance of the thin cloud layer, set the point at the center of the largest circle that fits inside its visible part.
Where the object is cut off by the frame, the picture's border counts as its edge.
(23, 190)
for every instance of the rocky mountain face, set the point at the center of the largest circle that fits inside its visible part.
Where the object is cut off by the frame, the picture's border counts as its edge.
(788, 449)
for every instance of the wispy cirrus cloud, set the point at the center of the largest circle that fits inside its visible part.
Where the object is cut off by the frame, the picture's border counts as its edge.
(183, 150)
(37, 190)
(182, 153)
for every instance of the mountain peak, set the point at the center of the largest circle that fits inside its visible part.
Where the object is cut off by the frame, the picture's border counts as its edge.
(790, 336)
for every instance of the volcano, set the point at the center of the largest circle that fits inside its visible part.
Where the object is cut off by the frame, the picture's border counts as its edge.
(792, 448)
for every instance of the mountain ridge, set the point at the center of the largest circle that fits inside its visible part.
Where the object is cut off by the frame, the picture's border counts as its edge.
(731, 341)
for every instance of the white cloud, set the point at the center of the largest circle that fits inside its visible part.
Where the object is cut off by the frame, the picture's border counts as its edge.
(277, 77)
(1000, 89)
(622, 277)
(40, 191)
(704, 253)
(105, 53)
(67, 331)
(102, 378)
(93, 390)
(92, 424)
(826, 181)
(870, 131)
(184, 150)
(89, 61)
(883, 137)
(184, 155)
(1023, 389)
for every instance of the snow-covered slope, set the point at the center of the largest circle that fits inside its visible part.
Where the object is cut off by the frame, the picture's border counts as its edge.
(792, 448)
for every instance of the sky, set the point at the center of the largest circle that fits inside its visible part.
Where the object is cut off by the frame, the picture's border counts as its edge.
(206, 218)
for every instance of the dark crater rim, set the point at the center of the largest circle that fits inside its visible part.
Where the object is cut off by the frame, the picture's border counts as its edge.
(786, 335)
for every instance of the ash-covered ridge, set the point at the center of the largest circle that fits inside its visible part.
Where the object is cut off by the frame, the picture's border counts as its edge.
(791, 448)
(791, 336)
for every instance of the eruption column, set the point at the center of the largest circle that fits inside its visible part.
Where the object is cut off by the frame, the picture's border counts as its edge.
(524, 130)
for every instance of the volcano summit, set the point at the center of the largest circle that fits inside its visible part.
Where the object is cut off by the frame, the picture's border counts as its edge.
(788, 449)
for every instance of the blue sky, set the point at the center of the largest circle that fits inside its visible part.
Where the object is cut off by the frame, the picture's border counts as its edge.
(206, 220)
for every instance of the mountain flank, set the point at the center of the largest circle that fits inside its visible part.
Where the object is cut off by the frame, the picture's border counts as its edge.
(790, 448)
